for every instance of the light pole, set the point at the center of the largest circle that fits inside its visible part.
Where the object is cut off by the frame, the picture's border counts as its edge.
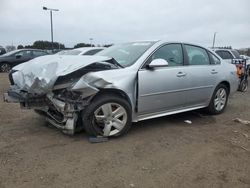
(90, 39)
(51, 24)
(214, 38)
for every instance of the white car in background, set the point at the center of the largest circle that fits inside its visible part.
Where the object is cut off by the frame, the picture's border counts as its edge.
(247, 58)
(81, 51)
(229, 55)
(242, 64)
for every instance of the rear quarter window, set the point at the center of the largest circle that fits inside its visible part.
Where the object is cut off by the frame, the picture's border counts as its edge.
(213, 59)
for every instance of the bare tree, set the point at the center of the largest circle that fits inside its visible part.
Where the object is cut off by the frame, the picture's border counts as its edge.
(10, 48)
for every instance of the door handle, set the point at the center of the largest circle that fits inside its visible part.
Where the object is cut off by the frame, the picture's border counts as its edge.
(181, 74)
(214, 71)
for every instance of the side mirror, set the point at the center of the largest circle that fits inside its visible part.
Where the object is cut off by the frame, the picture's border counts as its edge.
(158, 63)
(18, 56)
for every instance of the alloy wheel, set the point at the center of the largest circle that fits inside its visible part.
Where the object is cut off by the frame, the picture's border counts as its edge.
(111, 118)
(5, 67)
(220, 99)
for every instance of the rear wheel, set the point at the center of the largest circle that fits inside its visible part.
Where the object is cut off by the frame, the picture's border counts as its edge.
(243, 85)
(5, 67)
(219, 100)
(107, 115)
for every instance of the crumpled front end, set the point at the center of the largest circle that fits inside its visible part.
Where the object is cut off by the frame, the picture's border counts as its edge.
(60, 107)
(59, 96)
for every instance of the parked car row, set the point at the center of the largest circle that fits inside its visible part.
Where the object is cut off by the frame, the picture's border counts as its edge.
(16, 57)
(232, 56)
(241, 62)
(13, 58)
(247, 58)
(124, 83)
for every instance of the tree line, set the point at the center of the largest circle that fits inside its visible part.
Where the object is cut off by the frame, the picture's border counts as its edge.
(47, 45)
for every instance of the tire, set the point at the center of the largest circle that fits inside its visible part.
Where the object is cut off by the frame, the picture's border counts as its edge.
(5, 67)
(213, 108)
(243, 86)
(103, 116)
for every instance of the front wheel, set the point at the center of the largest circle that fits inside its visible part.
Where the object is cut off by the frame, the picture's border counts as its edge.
(107, 115)
(219, 100)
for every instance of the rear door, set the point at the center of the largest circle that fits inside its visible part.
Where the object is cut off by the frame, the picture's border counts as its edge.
(163, 88)
(203, 70)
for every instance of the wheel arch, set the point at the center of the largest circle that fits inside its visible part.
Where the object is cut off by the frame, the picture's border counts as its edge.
(117, 92)
(5, 62)
(227, 84)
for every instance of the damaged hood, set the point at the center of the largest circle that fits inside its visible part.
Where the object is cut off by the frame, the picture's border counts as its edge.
(39, 75)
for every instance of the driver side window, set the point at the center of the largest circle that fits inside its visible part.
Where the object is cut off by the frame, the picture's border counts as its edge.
(24, 53)
(172, 53)
(21, 53)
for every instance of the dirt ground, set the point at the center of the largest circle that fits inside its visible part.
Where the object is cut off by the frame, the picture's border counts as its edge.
(213, 151)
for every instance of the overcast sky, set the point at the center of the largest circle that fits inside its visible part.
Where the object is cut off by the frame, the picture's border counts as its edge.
(116, 21)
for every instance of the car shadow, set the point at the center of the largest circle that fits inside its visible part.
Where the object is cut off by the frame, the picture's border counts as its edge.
(193, 118)
(197, 118)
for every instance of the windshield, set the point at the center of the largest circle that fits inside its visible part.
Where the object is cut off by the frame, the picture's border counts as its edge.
(69, 52)
(126, 54)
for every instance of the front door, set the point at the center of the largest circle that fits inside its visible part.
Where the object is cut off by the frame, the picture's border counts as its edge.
(163, 88)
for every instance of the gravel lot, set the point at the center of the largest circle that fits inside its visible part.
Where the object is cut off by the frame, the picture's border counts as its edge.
(213, 151)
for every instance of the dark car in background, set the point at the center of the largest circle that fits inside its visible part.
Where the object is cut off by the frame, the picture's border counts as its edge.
(2, 50)
(13, 58)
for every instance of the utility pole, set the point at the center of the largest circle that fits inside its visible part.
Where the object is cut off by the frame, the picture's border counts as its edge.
(51, 25)
(90, 39)
(214, 38)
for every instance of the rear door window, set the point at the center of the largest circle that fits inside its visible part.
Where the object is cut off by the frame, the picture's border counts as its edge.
(197, 55)
(38, 53)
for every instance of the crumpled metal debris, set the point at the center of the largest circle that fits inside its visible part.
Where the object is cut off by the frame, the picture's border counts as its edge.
(238, 120)
(245, 135)
(40, 74)
(188, 121)
(98, 139)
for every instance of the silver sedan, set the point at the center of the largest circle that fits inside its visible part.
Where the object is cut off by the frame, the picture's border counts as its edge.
(125, 83)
